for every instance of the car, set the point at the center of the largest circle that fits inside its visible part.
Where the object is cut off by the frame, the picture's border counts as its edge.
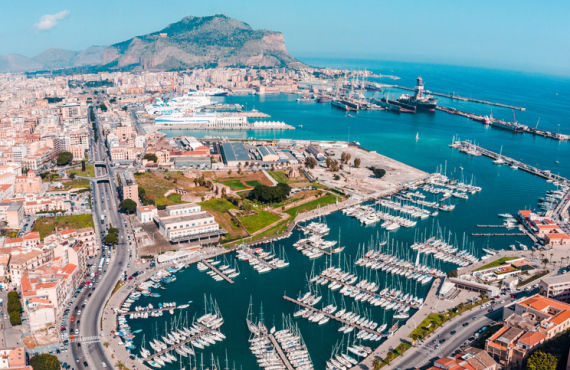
(452, 332)
(103, 364)
(77, 359)
(490, 310)
(85, 364)
(437, 346)
(465, 324)
(78, 321)
(76, 331)
(78, 344)
(442, 340)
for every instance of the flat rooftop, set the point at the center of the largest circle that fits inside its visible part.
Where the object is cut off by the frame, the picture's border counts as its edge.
(189, 217)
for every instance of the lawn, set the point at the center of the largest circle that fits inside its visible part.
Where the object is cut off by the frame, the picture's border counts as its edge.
(316, 203)
(399, 350)
(47, 225)
(279, 176)
(234, 184)
(89, 171)
(219, 209)
(78, 184)
(258, 221)
(253, 183)
(496, 263)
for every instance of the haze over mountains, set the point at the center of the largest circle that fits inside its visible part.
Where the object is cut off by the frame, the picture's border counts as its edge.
(192, 42)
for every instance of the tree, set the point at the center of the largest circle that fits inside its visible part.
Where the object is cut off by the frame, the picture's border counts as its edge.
(377, 364)
(378, 172)
(310, 162)
(356, 162)
(540, 360)
(45, 361)
(151, 157)
(128, 206)
(112, 236)
(328, 162)
(64, 158)
(270, 194)
(345, 157)
(452, 273)
(334, 165)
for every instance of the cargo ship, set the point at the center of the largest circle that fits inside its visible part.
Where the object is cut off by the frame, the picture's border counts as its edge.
(324, 99)
(419, 100)
(394, 106)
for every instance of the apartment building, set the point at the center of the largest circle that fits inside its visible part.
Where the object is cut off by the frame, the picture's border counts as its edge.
(556, 287)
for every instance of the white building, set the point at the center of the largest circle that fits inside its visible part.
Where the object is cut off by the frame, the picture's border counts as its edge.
(187, 222)
(146, 214)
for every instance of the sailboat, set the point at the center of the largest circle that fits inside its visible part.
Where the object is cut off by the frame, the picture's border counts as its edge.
(500, 159)
(417, 136)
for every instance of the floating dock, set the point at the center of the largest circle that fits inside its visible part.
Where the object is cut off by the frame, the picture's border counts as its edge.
(498, 234)
(333, 317)
(254, 256)
(221, 274)
(469, 148)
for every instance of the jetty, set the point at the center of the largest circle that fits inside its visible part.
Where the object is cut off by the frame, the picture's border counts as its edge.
(217, 271)
(149, 311)
(333, 317)
(470, 148)
(172, 347)
(253, 256)
(515, 127)
(280, 352)
(462, 98)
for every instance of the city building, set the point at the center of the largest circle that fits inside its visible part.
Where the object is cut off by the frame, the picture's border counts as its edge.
(14, 359)
(146, 214)
(129, 187)
(469, 359)
(234, 154)
(528, 322)
(12, 213)
(28, 184)
(556, 287)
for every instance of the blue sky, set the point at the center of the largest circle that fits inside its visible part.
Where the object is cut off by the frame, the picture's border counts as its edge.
(521, 35)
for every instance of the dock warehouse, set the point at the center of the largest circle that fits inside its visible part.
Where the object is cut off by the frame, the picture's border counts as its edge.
(234, 153)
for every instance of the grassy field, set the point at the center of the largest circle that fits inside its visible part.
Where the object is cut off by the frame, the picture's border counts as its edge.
(393, 354)
(279, 176)
(78, 184)
(89, 171)
(47, 225)
(253, 183)
(258, 221)
(316, 203)
(234, 184)
(496, 263)
(219, 209)
(154, 185)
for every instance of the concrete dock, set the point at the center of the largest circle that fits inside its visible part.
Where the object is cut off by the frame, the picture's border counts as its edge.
(280, 352)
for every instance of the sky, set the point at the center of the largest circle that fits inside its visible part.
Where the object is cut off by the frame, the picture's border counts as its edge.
(519, 35)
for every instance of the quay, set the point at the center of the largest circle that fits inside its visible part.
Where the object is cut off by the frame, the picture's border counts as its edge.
(463, 98)
(469, 148)
(213, 268)
(331, 279)
(280, 352)
(333, 317)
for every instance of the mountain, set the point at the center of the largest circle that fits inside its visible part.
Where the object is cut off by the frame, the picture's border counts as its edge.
(192, 42)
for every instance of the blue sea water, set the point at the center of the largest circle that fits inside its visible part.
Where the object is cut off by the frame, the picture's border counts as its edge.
(504, 189)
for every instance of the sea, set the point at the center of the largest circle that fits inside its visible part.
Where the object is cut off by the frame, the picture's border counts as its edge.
(420, 140)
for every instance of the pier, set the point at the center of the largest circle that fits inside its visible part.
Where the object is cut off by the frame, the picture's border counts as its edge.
(148, 311)
(491, 226)
(498, 234)
(469, 148)
(369, 292)
(462, 98)
(280, 352)
(206, 330)
(514, 127)
(333, 317)
(254, 256)
(221, 274)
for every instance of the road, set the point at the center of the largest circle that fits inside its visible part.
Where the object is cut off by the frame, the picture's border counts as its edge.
(424, 353)
(105, 199)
